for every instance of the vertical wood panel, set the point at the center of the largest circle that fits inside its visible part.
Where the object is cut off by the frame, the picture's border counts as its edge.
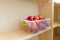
(46, 35)
(45, 10)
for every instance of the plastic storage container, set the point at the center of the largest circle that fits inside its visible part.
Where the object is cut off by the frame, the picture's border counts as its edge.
(34, 26)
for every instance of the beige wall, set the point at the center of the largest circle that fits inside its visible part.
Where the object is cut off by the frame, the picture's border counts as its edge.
(12, 11)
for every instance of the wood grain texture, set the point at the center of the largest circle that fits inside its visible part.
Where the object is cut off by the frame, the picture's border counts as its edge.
(56, 35)
(45, 10)
(46, 36)
(56, 12)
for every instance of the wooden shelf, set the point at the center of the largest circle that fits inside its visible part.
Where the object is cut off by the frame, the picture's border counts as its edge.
(56, 24)
(45, 11)
(56, 36)
(20, 35)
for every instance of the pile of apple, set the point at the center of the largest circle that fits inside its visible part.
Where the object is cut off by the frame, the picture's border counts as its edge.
(31, 18)
(34, 24)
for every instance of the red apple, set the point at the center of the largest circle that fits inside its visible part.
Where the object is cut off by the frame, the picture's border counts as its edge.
(33, 25)
(35, 30)
(35, 18)
(30, 18)
(26, 29)
(40, 17)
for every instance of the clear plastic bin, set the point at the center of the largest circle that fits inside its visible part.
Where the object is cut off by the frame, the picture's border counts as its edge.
(34, 26)
(42, 24)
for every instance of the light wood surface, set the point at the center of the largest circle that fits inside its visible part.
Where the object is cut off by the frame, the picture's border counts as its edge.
(56, 11)
(45, 10)
(19, 34)
(46, 35)
(56, 35)
(56, 24)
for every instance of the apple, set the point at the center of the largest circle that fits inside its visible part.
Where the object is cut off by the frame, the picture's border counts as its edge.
(26, 29)
(25, 24)
(40, 17)
(30, 18)
(32, 25)
(43, 27)
(40, 25)
(35, 30)
(47, 23)
(35, 18)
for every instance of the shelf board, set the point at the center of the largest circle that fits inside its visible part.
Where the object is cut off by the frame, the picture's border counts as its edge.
(20, 35)
(56, 24)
